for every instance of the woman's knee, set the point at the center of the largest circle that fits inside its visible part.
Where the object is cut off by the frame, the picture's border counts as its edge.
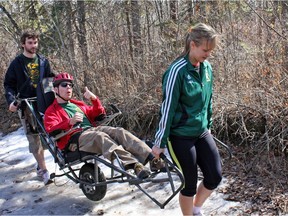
(212, 184)
(189, 191)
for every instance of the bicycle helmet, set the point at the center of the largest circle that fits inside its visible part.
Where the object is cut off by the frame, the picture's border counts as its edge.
(61, 77)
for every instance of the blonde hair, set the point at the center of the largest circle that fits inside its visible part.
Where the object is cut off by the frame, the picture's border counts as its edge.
(198, 33)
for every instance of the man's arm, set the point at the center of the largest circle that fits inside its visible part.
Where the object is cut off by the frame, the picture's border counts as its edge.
(53, 121)
(10, 84)
(97, 109)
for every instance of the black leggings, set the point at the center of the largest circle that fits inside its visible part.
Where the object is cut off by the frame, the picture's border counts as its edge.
(201, 151)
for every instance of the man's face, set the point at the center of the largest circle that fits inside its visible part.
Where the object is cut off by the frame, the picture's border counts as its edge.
(65, 90)
(31, 45)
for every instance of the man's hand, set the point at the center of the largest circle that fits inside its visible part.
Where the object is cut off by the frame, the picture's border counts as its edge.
(78, 117)
(89, 95)
(12, 107)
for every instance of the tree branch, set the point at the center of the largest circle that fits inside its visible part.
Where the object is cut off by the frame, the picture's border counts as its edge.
(18, 30)
(265, 21)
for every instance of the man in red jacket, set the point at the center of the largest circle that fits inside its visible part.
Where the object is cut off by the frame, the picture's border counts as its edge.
(65, 112)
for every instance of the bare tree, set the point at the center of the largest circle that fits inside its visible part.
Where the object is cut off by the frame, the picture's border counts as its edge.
(136, 28)
(69, 23)
(14, 23)
(81, 35)
(284, 14)
(173, 11)
(128, 23)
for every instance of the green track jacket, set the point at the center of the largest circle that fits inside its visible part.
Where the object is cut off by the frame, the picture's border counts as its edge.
(186, 108)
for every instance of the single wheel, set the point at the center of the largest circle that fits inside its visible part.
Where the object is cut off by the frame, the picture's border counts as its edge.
(87, 174)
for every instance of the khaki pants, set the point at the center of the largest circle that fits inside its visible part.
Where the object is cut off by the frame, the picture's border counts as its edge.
(30, 129)
(105, 140)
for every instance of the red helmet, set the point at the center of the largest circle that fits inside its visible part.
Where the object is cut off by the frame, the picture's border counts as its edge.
(61, 77)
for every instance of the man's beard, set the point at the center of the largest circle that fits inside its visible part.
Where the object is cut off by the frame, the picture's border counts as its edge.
(31, 51)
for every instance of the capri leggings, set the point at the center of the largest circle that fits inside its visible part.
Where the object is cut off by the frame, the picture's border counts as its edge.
(188, 152)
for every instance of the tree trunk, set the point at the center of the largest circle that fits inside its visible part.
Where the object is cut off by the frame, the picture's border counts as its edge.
(189, 6)
(81, 34)
(136, 29)
(70, 40)
(261, 53)
(284, 5)
(173, 11)
(128, 23)
(159, 10)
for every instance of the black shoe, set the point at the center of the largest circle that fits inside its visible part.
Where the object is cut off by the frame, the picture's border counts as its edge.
(157, 164)
(141, 171)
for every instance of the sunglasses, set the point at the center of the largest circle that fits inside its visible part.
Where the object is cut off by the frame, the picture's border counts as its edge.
(65, 84)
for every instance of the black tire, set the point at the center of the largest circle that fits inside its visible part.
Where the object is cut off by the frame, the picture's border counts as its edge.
(87, 174)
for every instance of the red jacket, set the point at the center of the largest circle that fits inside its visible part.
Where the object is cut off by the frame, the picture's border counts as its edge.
(56, 118)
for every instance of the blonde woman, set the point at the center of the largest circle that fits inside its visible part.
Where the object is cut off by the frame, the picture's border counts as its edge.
(185, 121)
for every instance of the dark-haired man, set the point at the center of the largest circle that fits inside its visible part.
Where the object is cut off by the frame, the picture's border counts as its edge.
(24, 74)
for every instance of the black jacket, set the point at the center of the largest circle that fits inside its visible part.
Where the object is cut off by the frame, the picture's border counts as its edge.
(17, 80)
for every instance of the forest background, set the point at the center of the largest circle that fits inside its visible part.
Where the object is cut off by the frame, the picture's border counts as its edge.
(120, 49)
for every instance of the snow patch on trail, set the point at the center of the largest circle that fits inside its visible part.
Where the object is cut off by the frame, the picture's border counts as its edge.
(23, 194)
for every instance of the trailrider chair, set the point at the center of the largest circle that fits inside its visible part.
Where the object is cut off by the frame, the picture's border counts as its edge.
(90, 176)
